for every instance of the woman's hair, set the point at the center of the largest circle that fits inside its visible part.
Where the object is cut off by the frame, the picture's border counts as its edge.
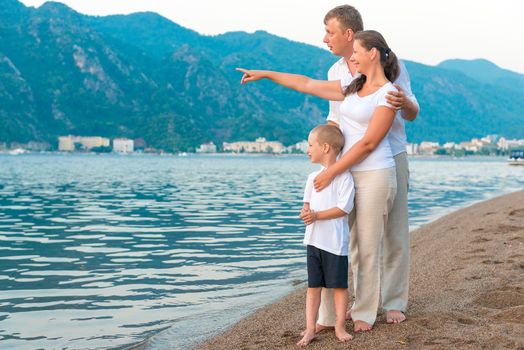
(372, 39)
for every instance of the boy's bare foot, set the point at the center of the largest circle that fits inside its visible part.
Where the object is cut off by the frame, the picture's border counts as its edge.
(361, 326)
(342, 335)
(308, 337)
(348, 315)
(395, 316)
(318, 328)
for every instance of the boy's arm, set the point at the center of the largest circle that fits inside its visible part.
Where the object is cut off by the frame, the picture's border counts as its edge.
(312, 216)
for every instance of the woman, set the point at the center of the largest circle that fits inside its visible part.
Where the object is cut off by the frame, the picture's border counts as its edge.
(366, 120)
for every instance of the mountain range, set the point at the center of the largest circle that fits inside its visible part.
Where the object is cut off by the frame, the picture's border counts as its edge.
(142, 75)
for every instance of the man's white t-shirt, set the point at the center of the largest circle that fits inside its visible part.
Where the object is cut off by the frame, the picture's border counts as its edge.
(330, 235)
(397, 135)
(355, 115)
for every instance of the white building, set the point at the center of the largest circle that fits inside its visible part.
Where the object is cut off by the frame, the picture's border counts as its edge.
(449, 145)
(259, 146)
(411, 149)
(68, 143)
(427, 147)
(123, 145)
(300, 146)
(207, 148)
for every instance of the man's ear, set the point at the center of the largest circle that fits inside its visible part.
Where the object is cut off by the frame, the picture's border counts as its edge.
(326, 147)
(350, 35)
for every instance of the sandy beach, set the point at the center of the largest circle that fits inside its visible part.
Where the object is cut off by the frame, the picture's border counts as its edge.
(467, 291)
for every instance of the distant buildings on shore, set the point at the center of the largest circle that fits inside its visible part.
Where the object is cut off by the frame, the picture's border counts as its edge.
(488, 145)
(78, 143)
(260, 145)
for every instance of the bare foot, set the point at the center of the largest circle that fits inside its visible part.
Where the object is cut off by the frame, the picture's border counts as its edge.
(395, 316)
(342, 335)
(348, 315)
(308, 337)
(318, 328)
(361, 326)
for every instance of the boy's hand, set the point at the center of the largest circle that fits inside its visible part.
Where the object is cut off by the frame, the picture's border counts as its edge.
(250, 75)
(322, 180)
(305, 208)
(308, 217)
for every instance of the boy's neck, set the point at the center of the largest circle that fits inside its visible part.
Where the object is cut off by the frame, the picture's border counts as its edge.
(328, 160)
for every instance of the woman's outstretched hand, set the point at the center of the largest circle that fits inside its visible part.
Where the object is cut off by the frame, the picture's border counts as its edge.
(250, 75)
(322, 180)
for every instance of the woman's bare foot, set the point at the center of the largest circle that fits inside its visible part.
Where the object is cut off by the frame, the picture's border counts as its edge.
(308, 337)
(348, 315)
(361, 326)
(342, 335)
(395, 316)
(318, 328)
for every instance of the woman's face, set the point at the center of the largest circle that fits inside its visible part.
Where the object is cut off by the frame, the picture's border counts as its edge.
(361, 57)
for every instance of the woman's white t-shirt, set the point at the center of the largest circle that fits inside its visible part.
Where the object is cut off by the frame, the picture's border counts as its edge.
(355, 115)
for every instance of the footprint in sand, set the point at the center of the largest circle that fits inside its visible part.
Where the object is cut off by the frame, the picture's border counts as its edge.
(503, 229)
(501, 299)
(512, 315)
(492, 262)
(517, 213)
(464, 320)
(481, 240)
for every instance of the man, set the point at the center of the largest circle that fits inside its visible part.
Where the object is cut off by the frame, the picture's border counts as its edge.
(341, 23)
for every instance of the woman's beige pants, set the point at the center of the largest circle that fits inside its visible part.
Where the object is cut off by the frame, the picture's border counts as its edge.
(374, 196)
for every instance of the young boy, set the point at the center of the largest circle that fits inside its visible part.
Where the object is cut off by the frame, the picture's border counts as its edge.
(327, 232)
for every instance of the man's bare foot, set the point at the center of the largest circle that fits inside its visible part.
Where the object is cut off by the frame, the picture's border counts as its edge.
(318, 328)
(308, 337)
(348, 315)
(395, 316)
(342, 335)
(361, 326)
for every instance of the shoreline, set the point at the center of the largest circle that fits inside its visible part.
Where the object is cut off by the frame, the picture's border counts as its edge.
(469, 295)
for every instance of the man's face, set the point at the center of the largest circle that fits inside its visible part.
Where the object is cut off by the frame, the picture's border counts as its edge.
(336, 39)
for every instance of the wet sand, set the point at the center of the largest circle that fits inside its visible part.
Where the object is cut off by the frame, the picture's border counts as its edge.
(467, 291)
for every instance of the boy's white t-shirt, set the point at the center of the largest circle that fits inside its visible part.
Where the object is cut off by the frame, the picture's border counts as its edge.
(330, 235)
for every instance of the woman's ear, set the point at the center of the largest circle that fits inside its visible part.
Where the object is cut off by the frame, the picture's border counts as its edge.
(373, 53)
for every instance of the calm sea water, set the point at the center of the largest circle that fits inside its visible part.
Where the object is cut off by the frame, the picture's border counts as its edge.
(106, 251)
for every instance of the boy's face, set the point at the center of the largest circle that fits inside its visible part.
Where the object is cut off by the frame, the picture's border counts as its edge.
(314, 150)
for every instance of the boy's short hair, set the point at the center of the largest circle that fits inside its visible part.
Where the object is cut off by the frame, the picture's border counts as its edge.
(347, 16)
(331, 135)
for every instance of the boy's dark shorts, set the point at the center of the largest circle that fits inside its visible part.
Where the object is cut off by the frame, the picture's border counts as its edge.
(325, 269)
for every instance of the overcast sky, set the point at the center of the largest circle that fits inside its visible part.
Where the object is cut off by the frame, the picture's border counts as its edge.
(423, 31)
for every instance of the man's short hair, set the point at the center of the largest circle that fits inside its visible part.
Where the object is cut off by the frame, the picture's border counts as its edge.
(331, 135)
(347, 16)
